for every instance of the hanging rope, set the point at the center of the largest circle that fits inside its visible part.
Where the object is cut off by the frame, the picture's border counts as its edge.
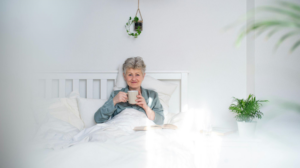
(138, 10)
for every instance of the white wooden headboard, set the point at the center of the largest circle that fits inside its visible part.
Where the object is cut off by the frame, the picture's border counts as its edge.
(61, 77)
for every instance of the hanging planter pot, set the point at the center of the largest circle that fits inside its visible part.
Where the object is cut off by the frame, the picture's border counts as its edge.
(138, 24)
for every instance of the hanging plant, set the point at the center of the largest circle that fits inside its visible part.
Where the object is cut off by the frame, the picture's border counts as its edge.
(138, 24)
(138, 28)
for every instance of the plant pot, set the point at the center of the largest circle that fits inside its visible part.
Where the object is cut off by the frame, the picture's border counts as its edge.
(246, 129)
(137, 24)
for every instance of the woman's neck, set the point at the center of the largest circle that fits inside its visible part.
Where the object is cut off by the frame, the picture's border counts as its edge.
(138, 89)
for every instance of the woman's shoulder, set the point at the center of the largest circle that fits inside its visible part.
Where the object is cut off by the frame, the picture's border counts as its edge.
(150, 92)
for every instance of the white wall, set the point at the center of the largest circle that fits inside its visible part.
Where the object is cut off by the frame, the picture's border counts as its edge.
(277, 79)
(277, 73)
(77, 35)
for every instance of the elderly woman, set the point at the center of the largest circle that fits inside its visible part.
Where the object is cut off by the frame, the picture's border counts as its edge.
(134, 73)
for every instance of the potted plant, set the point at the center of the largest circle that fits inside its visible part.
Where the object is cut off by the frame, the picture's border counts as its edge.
(138, 27)
(246, 113)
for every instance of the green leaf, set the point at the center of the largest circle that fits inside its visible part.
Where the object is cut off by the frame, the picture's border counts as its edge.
(272, 32)
(261, 30)
(290, 5)
(279, 11)
(295, 46)
(268, 23)
(240, 38)
(246, 110)
(130, 18)
(284, 37)
(136, 19)
(249, 29)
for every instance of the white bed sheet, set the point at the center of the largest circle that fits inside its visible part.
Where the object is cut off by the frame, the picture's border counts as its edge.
(112, 145)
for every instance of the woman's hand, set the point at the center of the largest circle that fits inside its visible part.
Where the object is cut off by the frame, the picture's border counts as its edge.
(140, 101)
(120, 97)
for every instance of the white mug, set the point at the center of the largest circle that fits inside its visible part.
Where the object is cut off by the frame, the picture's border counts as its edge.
(132, 96)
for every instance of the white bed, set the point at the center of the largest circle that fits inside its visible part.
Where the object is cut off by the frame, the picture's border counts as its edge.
(113, 144)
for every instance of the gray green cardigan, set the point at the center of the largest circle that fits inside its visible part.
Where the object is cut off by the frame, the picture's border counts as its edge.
(109, 110)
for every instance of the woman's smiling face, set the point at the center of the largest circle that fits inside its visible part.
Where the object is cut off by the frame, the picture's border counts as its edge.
(134, 78)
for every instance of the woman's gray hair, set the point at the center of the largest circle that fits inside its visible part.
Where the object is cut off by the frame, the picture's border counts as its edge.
(134, 63)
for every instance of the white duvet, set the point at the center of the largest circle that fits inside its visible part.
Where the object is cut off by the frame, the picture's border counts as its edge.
(113, 144)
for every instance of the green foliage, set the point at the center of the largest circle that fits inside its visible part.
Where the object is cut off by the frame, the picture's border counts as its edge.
(128, 25)
(283, 16)
(247, 110)
(136, 19)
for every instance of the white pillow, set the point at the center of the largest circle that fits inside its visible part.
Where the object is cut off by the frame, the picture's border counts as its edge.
(88, 108)
(164, 89)
(64, 109)
(120, 82)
